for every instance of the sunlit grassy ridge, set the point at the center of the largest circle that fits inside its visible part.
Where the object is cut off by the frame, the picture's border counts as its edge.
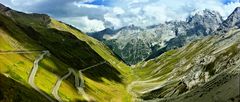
(96, 88)
(96, 45)
(18, 67)
(69, 48)
(17, 92)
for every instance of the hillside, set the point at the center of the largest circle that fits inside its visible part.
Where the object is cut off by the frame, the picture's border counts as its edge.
(57, 60)
(204, 70)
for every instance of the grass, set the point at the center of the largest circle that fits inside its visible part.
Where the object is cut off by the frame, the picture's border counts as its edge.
(69, 47)
(18, 66)
(96, 45)
(12, 91)
(106, 87)
(44, 79)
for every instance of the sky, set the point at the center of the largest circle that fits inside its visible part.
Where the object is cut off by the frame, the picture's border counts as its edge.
(96, 15)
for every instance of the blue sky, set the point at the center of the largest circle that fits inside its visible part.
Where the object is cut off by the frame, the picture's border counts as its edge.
(100, 2)
(96, 15)
(228, 1)
(108, 2)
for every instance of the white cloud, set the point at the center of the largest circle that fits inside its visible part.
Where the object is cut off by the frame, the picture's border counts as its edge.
(113, 20)
(86, 0)
(149, 12)
(113, 17)
(24, 2)
(81, 5)
(229, 8)
(85, 24)
(118, 10)
(217, 5)
(120, 13)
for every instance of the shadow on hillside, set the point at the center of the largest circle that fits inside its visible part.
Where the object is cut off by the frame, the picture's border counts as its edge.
(12, 91)
(103, 71)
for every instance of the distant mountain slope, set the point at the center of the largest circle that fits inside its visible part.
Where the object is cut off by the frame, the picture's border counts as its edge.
(204, 70)
(134, 44)
(213, 60)
(96, 74)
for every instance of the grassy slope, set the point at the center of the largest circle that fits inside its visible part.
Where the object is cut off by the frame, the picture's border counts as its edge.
(115, 89)
(158, 78)
(12, 91)
(96, 45)
(18, 66)
(103, 83)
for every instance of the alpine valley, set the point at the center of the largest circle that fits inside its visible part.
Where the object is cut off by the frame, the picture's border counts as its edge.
(45, 60)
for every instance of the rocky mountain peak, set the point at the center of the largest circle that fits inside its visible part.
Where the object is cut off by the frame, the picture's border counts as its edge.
(237, 10)
(100, 35)
(134, 44)
(3, 8)
(204, 22)
(205, 15)
(233, 19)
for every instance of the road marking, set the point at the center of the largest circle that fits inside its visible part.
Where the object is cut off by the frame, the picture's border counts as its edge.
(93, 66)
(20, 51)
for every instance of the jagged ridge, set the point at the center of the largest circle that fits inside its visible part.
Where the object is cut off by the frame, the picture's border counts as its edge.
(134, 44)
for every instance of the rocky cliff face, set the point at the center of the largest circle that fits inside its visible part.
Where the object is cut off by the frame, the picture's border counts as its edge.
(233, 20)
(134, 44)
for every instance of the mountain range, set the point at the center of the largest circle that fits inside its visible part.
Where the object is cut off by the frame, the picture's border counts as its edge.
(135, 44)
(45, 60)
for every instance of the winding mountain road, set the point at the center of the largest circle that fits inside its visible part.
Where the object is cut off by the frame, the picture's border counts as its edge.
(58, 84)
(79, 85)
(34, 69)
(33, 74)
(78, 75)
(81, 78)
(93, 66)
(19, 51)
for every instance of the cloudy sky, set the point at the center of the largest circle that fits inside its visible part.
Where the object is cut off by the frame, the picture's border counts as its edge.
(96, 15)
